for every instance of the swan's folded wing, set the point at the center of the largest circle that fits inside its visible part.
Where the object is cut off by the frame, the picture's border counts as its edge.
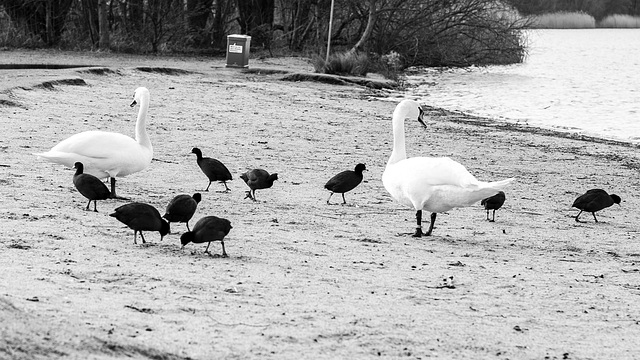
(95, 144)
(436, 171)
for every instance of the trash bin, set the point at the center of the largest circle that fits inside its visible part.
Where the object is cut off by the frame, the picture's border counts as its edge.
(238, 50)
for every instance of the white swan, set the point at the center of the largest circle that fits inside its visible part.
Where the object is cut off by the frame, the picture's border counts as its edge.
(435, 184)
(108, 154)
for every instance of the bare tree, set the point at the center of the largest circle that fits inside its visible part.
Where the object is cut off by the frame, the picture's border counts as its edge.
(198, 14)
(366, 34)
(88, 10)
(256, 19)
(136, 13)
(44, 19)
(104, 24)
(301, 22)
(443, 32)
(165, 20)
(223, 12)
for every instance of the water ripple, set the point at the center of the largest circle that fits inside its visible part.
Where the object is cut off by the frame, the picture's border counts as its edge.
(585, 81)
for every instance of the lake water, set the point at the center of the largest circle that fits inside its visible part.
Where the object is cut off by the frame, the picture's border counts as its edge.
(585, 81)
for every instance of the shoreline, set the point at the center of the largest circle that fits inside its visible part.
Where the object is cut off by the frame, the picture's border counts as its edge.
(296, 68)
(300, 71)
(470, 119)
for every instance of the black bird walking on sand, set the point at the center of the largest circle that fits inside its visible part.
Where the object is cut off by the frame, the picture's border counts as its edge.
(214, 169)
(206, 230)
(181, 208)
(258, 179)
(594, 200)
(141, 217)
(494, 203)
(345, 181)
(90, 186)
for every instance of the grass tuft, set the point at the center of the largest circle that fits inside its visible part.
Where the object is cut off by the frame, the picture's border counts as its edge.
(346, 63)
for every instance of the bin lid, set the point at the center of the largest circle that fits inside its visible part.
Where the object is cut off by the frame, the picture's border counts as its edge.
(238, 36)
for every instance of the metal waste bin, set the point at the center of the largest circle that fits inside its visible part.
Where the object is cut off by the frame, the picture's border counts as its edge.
(238, 50)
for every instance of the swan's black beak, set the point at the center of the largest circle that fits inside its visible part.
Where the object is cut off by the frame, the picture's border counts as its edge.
(420, 117)
(133, 103)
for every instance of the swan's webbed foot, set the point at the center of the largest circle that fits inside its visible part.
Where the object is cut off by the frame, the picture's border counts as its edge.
(419, 232)
(433, 222)
(113, 191)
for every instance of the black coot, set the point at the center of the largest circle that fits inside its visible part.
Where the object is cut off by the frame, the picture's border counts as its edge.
(258, 179)
(494, 203)
(345, 181)
(214, 169)
(594, 200)
(181, 208)
(90, 186)
(206, 230)
(141, 217)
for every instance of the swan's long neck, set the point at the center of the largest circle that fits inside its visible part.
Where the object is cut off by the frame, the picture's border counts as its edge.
(141, 132)
(399, 151)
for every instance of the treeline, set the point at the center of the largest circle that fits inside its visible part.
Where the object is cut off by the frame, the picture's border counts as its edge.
(599, 9)
(410, 32)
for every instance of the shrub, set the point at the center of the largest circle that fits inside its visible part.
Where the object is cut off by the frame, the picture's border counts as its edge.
(445, 33)
(390, 66)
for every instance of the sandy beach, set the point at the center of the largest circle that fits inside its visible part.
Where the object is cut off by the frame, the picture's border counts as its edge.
(303, 280)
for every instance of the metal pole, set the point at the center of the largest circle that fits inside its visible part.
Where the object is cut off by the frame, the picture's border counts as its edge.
(329, 37)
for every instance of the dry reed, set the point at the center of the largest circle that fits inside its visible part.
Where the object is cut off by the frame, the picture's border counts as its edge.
(620, 21)
(564, 20)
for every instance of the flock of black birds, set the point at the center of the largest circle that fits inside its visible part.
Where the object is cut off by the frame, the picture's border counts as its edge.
(144, 217)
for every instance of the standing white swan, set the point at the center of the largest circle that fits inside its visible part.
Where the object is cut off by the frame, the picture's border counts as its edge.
(434, 184)
(108, 154)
